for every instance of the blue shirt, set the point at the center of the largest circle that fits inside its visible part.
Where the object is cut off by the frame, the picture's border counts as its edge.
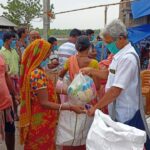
(98, 48)
(1, 43)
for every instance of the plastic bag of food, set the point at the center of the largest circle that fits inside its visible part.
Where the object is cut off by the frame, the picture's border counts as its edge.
(82, 90)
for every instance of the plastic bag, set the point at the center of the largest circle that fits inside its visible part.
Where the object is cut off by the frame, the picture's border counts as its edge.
(82, 90)
(106, 134)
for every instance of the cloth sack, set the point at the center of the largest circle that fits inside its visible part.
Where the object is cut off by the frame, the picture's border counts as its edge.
(72, 128)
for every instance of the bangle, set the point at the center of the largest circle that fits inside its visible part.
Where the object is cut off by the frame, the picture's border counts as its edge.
(60, 107)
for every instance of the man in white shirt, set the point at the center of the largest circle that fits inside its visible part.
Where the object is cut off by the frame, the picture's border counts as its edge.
(122, 83)
(122, 89)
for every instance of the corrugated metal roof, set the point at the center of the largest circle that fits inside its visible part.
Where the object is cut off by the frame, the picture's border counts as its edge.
(6, 22)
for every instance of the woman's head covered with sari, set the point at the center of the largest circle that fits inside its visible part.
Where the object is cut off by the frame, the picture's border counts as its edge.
(33, 56)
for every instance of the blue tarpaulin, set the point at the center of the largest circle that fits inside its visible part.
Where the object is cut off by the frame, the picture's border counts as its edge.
(140, 8)
(138, 33)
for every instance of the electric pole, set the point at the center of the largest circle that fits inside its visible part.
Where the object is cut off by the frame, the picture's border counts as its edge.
(106, 9)
(46, 18)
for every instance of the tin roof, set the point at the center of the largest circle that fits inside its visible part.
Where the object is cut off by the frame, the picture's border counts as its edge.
(6, 22)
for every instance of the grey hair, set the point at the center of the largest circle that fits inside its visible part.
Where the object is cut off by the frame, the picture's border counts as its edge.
(115, 29)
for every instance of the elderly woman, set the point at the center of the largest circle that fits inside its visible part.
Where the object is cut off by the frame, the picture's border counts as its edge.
(38, 114)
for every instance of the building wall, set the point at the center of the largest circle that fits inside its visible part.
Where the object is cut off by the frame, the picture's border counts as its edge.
(125, 15)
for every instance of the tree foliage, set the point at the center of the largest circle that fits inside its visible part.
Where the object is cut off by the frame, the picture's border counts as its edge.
(22, 11)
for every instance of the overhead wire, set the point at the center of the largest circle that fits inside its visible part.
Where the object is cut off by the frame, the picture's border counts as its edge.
(92, 7)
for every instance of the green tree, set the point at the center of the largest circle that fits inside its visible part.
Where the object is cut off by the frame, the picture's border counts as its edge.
(22, 11)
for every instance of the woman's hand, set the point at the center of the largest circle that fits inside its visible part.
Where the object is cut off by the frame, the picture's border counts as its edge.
(77, 109)
(87, 71)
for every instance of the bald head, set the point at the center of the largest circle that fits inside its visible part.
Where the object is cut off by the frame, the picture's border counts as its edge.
(34, 35)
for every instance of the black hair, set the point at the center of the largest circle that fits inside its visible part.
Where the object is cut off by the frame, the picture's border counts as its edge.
(75, 33)
(13, 34)
(89, 32)
(21, 31)
(99, 38)
(82, 43)
(7, 36)
(51, 40)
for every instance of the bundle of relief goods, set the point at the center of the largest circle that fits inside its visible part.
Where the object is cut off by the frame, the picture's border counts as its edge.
(82, 90)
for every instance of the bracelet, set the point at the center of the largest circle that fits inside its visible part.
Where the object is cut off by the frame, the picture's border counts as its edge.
(60, 107)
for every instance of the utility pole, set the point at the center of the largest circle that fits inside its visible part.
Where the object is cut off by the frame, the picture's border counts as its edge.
(106, 9)
(46, 18)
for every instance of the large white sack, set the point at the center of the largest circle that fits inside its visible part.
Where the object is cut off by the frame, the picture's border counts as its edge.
(106, 134)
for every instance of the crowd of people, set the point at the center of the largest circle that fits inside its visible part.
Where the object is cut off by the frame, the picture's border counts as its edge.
(35, 75)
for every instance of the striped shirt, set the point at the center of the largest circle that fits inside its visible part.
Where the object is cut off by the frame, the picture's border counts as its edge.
(65, 51)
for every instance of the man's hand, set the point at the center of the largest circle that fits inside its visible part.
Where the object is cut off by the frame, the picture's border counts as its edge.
(91, 111)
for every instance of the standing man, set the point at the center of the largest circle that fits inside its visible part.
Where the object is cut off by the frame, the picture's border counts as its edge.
(34, 35)
(102, 52)
(68, 49)
(91, 36)
(23, 41)
(12, 61)
(64, 52)
(123, 83)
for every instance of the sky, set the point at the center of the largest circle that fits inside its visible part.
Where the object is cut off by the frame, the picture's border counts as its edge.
(93, 18)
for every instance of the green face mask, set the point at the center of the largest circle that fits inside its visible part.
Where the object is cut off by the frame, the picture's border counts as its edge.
(112, 48)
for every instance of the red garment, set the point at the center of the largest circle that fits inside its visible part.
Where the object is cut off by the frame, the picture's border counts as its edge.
(102, 66)
(41, 135)
(5, 97)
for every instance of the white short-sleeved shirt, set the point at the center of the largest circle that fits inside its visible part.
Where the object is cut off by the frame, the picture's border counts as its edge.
(123, 73)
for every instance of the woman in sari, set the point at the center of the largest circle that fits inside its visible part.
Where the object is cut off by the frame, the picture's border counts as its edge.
(38, 113)
(73, 66)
